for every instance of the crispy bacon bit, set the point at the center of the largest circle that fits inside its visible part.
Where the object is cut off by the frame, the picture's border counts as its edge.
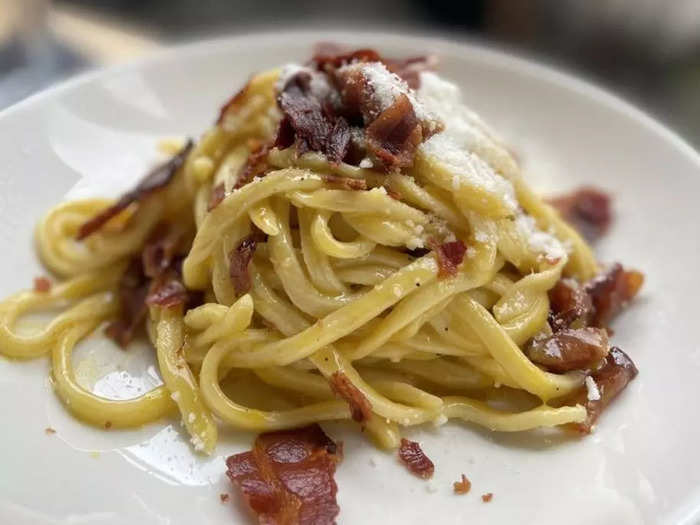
(232, 103)
(570, 349)
(314, 123)
(255, 166)
(167, 291)
(345, 183)
(586, 209)
(449, 256)
(49, 431)
(611, 290)
(415, 459)
(218, 193)
(133, 289)
(395, 134)
(42, 285)
(360, 407)
(487, 497)
(223, 497)
(611, 378)
(161, 248)
(157, 179)
(569, 302)
(239, 260)
(288, 477)
(463, 486)
(332, 56)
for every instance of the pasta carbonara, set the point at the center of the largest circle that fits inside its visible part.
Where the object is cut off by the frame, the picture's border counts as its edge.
(348, 241)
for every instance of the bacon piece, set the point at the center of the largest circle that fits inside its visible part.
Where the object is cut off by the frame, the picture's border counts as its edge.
(328, 56)
(611, 290)
(463, 486)
(570, 349)
(359, 103)
(132, 292)
(233, 102)
(395, 134)
(218, 193)
(161, 249)
(167, 291)
(410, 68)
(449, 256)
(360, 407)
(487, 497)
(415, 459)
(338, 141)
(157, 179)
(288, 477)
(256, 165)
(586, 209)
(345, 183)
(569, 302)
(239, 260)
(611, 378)
(315, 126)
(42, 285)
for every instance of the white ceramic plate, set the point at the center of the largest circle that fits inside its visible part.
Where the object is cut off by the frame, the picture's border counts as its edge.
(98, 134)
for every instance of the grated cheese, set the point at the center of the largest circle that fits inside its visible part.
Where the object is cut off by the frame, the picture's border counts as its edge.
(197, 443)
(592, 387)
(538, 240)
(468, 168)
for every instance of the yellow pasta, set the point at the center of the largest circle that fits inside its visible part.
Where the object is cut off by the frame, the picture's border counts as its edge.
(303, 281)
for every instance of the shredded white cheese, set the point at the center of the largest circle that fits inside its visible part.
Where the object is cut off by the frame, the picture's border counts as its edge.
(539, 241)
(197, 443)
(467, 168)
(592, 387)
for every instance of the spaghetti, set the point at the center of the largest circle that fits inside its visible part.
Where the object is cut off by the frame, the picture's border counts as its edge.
(366, 248)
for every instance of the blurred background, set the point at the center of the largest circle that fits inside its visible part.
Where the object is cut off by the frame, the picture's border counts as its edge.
(646, 50)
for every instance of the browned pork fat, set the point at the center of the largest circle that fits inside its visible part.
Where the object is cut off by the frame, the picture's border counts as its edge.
(611, 379)
(360, 407)
(449, 256)
(586, 209)
(156, 180)
(570, 349)
(611, 290)
(415, 459)
(288, 477)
